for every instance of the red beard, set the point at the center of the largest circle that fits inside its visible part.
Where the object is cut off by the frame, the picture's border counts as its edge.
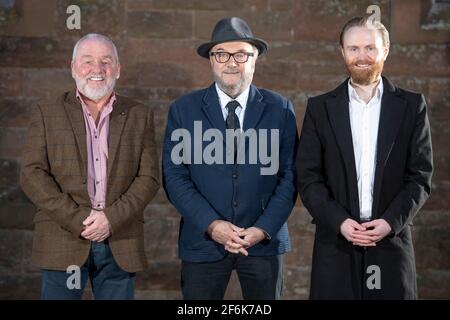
(366, 76)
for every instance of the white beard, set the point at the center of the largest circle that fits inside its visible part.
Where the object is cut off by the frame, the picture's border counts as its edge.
(94, 94)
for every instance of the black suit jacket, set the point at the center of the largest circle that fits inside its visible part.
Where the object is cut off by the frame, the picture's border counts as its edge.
(327, 184)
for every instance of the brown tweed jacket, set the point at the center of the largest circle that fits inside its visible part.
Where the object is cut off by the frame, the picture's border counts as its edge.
(53, 176)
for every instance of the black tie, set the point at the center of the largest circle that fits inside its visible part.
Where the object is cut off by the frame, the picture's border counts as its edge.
(232, 121)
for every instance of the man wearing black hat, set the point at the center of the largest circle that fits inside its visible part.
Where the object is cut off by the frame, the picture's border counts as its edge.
(233, 202)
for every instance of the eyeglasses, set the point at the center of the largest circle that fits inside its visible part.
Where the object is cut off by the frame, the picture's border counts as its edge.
(239, 57)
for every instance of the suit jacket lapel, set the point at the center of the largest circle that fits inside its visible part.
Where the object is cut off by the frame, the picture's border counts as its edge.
(116, 123)
(339, 115)
(254, 109)
(213, 111)
(75, 114)
(391, 114)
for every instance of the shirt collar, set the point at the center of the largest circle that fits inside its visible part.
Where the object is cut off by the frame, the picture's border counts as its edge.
(108, 107)
(224, 98)
(353, 95)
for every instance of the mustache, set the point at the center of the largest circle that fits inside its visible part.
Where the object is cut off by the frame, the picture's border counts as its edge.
(231, 70)
(368, 62)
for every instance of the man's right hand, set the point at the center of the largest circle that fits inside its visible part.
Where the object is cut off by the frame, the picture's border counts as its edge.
(226, 233)
(349, 230)
(96, 227)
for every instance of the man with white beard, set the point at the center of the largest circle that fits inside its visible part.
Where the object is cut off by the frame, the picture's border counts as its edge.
(90, 167)
(364, 170)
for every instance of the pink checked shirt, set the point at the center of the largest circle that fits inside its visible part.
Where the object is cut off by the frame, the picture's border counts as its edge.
(97, 152)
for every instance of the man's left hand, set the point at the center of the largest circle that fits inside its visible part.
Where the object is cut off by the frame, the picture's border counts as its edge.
(252, 235)
(379, 229)
(97, 227)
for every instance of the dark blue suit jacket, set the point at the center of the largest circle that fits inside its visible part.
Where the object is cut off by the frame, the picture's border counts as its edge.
(238, 193)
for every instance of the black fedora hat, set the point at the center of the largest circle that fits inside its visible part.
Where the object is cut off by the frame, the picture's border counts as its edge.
(231, 29)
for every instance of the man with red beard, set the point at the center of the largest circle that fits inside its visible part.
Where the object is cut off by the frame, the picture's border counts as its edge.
(90, 167)
(364, 170)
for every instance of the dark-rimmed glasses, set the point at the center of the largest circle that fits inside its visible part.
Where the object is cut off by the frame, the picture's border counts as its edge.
(239, 57)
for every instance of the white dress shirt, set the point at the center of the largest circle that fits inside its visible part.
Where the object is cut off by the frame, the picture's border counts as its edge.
(364, 120)
(242, 99)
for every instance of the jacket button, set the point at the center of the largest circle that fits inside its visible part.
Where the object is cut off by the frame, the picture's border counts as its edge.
(235, 176)
(235, 204)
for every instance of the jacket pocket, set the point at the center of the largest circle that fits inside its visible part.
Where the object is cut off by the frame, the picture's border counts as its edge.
(265, 200)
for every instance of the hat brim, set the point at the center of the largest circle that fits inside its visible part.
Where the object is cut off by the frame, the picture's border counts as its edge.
(261, 45)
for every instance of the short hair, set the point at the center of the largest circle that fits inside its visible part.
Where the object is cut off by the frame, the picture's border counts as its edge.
(95, 36)
(365, 21)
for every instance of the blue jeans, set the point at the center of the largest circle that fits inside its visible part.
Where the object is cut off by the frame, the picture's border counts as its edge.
(108, 280)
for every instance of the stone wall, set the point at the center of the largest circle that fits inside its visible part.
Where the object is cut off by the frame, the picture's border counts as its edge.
(156, 41)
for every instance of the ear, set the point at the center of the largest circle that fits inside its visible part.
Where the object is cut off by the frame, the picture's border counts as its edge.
(256, 56)
(386, 52)
(255, 52)
(342, 52)
(118, 71)
(72, 66)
